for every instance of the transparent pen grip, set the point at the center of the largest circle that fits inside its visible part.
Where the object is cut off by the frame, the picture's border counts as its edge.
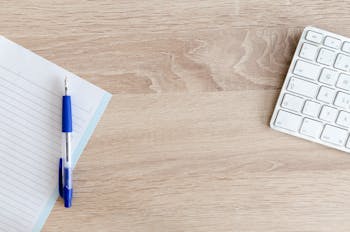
(67, 159)
(66, 150)
(68, 178)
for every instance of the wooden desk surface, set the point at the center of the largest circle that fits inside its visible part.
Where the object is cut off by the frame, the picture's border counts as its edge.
(185, 144)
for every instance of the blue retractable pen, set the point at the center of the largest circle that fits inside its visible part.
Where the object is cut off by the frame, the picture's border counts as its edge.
(65, 165)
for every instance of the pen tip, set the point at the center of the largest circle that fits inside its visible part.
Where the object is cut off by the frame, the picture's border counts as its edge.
(66, 85)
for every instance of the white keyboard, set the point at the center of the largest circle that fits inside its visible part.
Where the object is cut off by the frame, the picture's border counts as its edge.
(314, 102)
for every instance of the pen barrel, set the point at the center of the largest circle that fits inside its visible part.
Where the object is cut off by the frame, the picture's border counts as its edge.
(67, 128)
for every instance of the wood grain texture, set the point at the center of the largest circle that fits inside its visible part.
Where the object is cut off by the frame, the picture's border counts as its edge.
(185, 144)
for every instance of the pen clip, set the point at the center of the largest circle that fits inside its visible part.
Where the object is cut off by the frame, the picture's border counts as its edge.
(60, 178)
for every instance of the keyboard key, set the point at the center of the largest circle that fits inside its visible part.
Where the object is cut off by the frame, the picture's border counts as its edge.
(334, 135)
(332, 42)
(292, 102)
(311, 128)
(288, 121)
(326, 57)
(307, 70)
(343, 82)
(314, 36)
(311, 108)
(343, 119)
(328, 76)
(328, 113)
(346, 47)
(308, 51)
(326, 94)
(342, 100)
(302, 87)
(342, 62)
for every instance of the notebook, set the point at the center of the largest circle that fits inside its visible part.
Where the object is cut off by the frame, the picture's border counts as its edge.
(31, 90)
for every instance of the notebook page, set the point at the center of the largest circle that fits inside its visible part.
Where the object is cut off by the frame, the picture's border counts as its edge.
(31, 90)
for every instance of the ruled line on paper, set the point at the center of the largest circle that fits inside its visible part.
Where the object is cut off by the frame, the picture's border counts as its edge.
(22, 203)
(38, 113)
(56, 114)
(53, 108)
(23, 210)
(35, 191)
(25, 129)
(18, 176)
(33, 130)
(45, 112)
(13, 109)
(15, 222)
(25, 197)
(33, 83)
(24, 151)
(24, 188)
(38, 164)
(43, 154)
(34, 119)
(23, 218)
(5, 226)
(26, 170)
(48, 91)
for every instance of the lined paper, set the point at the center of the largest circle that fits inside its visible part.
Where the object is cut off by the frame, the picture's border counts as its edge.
(31, 90)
